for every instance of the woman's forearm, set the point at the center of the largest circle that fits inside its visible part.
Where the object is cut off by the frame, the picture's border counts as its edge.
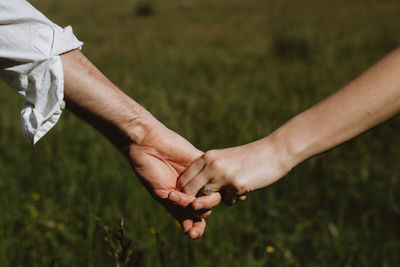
(367, 101)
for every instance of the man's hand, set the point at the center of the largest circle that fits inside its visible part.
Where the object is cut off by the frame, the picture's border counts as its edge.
(156, 154)
(159, 159)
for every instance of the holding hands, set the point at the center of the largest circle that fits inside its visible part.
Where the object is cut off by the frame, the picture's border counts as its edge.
(176, 173)
(159, 159)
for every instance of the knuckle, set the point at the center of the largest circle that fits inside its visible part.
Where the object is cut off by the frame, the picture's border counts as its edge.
(209, 155)
(213, 161)
(239, 185)
(228, 175)
(185, 190)
(217, 165)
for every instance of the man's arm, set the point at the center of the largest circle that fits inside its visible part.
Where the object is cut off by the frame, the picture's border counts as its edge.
(94, 98)
(156, 154)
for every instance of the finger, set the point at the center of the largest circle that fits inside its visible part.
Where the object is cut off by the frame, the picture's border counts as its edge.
(180, 199)
(187, 224)
(202, 213)
(206, 202)
(242, 197)
(229, 196)
(189, 173)
(198, 229)
(196, 183)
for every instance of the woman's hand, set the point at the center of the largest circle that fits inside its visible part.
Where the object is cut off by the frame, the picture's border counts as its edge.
(234, 171)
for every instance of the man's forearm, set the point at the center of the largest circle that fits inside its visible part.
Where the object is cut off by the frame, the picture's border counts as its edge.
(367, 101)
(157, 155)
(94, 98)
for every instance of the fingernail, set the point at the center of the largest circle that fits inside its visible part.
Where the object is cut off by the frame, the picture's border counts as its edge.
(174, 197)
(198, 206)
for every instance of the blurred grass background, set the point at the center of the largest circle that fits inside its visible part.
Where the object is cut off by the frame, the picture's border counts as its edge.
(220, 73)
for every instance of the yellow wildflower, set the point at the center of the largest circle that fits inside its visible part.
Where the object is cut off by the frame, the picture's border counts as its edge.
(60, 226)
(270, 249)
(177, 225)
(34, 213)
(153, 230)
(36, 196)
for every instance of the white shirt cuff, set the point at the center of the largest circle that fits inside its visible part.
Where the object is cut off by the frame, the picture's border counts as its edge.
(45, 90)
(30, 46)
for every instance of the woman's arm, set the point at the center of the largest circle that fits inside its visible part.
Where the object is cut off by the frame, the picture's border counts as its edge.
(367, 101)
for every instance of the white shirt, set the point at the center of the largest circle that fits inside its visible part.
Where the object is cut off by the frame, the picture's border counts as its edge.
(30, 45)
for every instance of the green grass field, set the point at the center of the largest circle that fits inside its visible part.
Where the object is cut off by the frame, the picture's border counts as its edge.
(220, 73)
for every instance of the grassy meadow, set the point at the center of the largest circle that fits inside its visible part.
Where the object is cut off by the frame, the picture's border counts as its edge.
(220, 73)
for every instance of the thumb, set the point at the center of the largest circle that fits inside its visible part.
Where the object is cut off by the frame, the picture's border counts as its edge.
(180, 199)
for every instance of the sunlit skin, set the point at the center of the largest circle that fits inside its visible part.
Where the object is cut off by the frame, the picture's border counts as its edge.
(369, 100)
(157, 155)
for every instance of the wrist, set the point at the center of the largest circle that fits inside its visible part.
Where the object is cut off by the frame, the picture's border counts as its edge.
(138, 124)
(289, 154)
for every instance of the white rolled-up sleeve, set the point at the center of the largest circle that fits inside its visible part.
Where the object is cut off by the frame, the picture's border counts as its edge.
(30, 45)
